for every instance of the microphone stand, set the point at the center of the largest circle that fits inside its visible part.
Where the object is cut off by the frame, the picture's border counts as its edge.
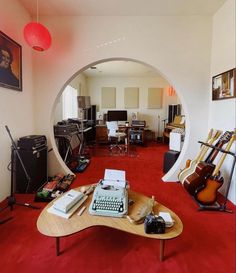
(11, 200)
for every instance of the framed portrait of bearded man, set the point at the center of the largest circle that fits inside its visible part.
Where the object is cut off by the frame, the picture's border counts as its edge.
(10, 63)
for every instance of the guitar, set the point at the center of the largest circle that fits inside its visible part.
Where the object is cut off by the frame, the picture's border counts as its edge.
(206, 194)
(191, 165)
(205, 168)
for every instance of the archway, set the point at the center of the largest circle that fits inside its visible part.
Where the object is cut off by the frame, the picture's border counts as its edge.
(148, 67)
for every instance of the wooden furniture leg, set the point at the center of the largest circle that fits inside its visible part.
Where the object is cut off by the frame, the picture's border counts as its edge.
(57, 246)
(162, 247)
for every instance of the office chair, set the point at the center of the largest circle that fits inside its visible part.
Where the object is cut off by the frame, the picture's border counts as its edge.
(115, 135)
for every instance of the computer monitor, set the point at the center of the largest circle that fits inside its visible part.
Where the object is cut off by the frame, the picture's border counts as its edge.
(117, 115)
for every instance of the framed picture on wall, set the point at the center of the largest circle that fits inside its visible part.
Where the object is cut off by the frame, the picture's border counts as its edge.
(10, 63)
(224, 85)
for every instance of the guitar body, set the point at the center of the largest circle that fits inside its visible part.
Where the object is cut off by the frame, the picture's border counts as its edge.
(190, 165)
(188, 170)
(198, 177)
(207, 195)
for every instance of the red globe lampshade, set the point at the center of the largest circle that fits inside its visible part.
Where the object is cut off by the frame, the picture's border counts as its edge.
(37, 36)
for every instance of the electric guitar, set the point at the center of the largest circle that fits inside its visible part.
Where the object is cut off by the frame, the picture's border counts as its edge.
(191, 164)
(206, 194)
(205, 168)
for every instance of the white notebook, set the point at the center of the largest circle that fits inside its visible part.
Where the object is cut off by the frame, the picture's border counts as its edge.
(67, 200)
(70, 212)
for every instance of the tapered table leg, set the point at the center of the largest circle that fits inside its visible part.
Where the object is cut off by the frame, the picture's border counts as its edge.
(162, 247)
(57, 246)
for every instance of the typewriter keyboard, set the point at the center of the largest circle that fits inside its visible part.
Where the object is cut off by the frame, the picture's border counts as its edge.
(107, 203)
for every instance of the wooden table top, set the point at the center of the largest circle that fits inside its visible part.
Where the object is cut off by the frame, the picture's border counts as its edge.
(56, 226)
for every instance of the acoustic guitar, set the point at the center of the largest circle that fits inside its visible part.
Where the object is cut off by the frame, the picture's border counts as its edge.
(205, 168)
(191, 164)
(206, 194)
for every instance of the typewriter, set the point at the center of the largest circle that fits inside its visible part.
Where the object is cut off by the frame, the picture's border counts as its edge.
(110, 198)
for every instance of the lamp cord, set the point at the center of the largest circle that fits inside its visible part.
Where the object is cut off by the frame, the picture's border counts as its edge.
(37, 11)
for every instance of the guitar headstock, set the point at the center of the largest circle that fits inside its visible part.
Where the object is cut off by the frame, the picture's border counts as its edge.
(234, 135)
(209, 136)
(226, 137)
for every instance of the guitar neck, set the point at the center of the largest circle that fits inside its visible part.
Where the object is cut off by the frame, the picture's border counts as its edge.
(217, 134)
(218, 166)
(214, 153)
(202, 151)
(224, 139)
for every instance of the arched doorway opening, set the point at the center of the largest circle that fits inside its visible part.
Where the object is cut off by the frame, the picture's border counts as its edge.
(118, 73)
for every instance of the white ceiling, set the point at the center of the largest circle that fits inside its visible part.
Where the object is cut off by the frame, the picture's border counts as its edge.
(122, 7)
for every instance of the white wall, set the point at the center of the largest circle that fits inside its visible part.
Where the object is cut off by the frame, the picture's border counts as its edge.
(16, 108)
(222, 114)
(143, 83)
(177, 47)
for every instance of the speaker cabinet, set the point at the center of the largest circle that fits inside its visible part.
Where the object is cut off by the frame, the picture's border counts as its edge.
(92, 114)
(35, 163)
(169, 160)
(91, 134)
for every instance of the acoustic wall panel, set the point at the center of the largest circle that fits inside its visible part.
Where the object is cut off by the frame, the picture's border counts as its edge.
(108, 97)
(155, 96)
(131, 97)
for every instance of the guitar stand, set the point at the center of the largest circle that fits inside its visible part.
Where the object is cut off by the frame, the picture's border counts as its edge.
(11, 200)
(216, 206)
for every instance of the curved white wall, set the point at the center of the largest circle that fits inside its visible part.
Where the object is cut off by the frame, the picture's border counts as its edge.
(178, 47)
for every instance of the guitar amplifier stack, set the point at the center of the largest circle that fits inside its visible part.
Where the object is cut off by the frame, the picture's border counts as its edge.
(33, 154)
(32, 142)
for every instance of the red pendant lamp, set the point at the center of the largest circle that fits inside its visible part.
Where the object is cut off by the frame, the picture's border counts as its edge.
(37, 36)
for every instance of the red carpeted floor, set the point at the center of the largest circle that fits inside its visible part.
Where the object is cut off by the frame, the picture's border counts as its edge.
(207, 244)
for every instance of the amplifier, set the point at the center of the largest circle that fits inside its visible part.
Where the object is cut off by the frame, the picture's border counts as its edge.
(66, 130)
(138, 123)
(32, 142)
(35, 163)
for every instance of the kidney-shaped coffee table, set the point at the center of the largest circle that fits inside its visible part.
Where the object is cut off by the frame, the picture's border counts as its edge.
(55, 226)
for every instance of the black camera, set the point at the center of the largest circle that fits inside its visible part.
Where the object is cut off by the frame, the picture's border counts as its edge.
(154, 224)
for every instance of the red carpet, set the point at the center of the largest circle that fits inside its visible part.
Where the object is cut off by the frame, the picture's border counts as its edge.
(206, 245)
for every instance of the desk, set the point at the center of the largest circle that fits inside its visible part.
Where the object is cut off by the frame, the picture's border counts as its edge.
(55, 226)
(135, 134)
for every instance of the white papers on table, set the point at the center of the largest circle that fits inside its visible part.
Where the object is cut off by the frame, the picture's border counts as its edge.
(114, 175)
(114, 178)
